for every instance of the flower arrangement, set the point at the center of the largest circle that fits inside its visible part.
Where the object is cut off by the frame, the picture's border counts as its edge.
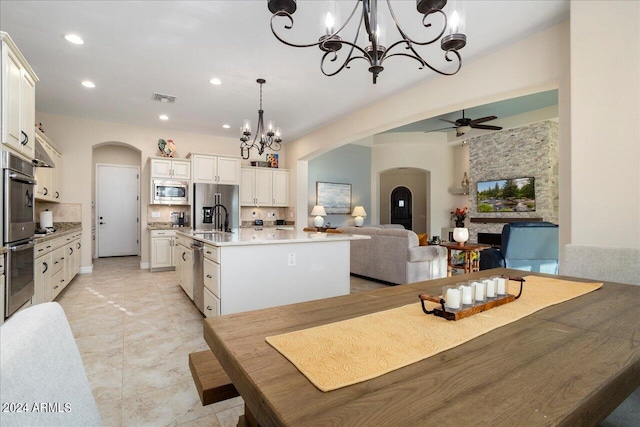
(459, 215)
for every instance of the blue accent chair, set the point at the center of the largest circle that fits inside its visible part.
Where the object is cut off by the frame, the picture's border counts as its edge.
(529, 246)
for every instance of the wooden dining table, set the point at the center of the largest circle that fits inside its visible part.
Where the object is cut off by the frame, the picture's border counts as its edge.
(569, 364)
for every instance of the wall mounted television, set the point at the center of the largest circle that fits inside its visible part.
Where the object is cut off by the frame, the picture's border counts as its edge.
(507, 195)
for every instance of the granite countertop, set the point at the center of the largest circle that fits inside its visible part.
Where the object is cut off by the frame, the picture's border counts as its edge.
(165, 226)
(266, 236)
(62, 229)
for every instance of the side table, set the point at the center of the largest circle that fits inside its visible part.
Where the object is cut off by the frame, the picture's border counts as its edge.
(467, 248)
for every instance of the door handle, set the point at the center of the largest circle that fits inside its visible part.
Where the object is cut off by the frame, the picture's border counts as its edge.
(183, 254)
(45, 191)
(103, 223)
(46, 267)
(26, 138)
(70, 251)
(209, 307)
(57, 195)
(208, 276)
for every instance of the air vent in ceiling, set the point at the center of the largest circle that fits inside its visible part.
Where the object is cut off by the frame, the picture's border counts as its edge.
(164, 98)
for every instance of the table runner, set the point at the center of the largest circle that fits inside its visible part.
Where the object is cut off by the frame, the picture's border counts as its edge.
(339, 354)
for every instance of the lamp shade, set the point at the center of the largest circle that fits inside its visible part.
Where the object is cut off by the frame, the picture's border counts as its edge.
(318, 211)
(359, 211)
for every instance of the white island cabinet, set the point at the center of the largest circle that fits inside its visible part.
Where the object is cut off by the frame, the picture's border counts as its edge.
(251, 269)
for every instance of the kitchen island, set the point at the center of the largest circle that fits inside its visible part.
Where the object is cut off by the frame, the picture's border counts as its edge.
(253, 268)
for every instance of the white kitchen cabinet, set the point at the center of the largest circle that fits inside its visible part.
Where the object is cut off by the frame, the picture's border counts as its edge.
(48, 179)
(264, 187)
(280, 188)
(18, 99)
(212, 169)
(58, 277)
(72, 257)
(2, 289)
(211, 271)
(42, 279)
(184, 268)
(171, 168)
(162, 244)
(211, 304)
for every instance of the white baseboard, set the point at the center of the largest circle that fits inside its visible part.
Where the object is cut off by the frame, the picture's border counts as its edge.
(144, 266)
(86, 270)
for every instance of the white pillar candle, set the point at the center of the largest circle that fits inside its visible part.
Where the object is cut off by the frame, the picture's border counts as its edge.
(452, 298)
(480, 290)
(491, 288)
(467, 294)
(502, 285)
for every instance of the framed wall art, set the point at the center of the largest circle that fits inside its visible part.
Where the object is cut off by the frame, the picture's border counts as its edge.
(336, 198)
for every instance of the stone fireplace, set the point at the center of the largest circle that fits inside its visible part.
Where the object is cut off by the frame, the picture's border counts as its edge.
(528, 151)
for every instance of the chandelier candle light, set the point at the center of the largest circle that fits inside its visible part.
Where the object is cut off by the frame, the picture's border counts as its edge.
(270, 137)
(374, 51)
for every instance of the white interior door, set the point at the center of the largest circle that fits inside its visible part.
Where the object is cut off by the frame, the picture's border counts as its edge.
(117, 219)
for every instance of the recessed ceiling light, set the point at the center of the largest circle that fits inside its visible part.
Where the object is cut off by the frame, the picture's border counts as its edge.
(163, 117)
(73, 38)
(226, 126)
(88, 84)
(215, 81)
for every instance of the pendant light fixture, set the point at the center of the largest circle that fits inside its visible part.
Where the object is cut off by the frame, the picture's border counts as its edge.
(375, 49)
(269, 137)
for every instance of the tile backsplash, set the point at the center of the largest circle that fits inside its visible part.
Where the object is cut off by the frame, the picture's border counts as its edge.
(163, 213)
(62, 212)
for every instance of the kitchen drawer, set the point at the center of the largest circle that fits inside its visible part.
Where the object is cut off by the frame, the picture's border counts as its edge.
(57, 260)
(58, 283)
(211, 304)
(212, 276)
(162, 233)
(184, 240)
(212, 252)
(43, 248)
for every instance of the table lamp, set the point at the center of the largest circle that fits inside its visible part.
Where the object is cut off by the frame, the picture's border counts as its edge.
(318, 211)
(360, 215)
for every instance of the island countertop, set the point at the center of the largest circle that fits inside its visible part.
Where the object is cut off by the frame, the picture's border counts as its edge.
(265, 236)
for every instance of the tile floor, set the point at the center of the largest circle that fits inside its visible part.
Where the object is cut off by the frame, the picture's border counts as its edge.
(135, 330)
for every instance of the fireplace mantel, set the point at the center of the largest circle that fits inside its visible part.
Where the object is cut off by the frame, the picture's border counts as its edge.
(503, 220)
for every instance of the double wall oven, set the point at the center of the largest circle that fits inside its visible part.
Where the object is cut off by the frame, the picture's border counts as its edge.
(18, 230)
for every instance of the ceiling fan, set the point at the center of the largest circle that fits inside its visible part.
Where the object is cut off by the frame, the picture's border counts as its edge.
(465, 124)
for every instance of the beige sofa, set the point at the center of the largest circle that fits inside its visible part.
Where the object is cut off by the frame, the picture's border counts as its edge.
(393, 255)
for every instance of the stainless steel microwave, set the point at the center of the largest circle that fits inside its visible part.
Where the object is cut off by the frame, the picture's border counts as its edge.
(169, 192)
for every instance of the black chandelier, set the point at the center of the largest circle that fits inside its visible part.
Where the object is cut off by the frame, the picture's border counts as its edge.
(331, 42)
(270, 139)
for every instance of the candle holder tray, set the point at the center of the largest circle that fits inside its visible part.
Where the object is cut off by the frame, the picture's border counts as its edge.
(470, 311)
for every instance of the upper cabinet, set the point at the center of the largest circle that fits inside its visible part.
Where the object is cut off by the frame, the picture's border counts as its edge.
(18, 99)
(48, 179)
(170, 168)
(215, 169)
(264, 187)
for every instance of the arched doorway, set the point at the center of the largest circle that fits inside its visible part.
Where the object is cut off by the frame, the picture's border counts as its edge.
(401, 207)
(417, 182)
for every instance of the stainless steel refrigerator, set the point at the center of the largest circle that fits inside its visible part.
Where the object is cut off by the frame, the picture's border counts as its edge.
(216, 207)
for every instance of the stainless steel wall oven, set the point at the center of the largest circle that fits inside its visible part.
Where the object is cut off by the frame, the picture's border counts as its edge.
(18, 230)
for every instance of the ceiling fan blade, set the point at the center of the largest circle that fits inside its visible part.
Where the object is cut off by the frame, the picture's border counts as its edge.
(487, 127)
(483, 119)
(449, 121)
(436, 130)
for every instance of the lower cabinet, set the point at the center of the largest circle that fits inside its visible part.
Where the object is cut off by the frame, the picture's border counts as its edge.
(162, 243)
(42, 279)
(56, 263)
(184, 268)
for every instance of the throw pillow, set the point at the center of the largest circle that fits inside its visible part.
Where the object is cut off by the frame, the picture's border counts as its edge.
(422, 239)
